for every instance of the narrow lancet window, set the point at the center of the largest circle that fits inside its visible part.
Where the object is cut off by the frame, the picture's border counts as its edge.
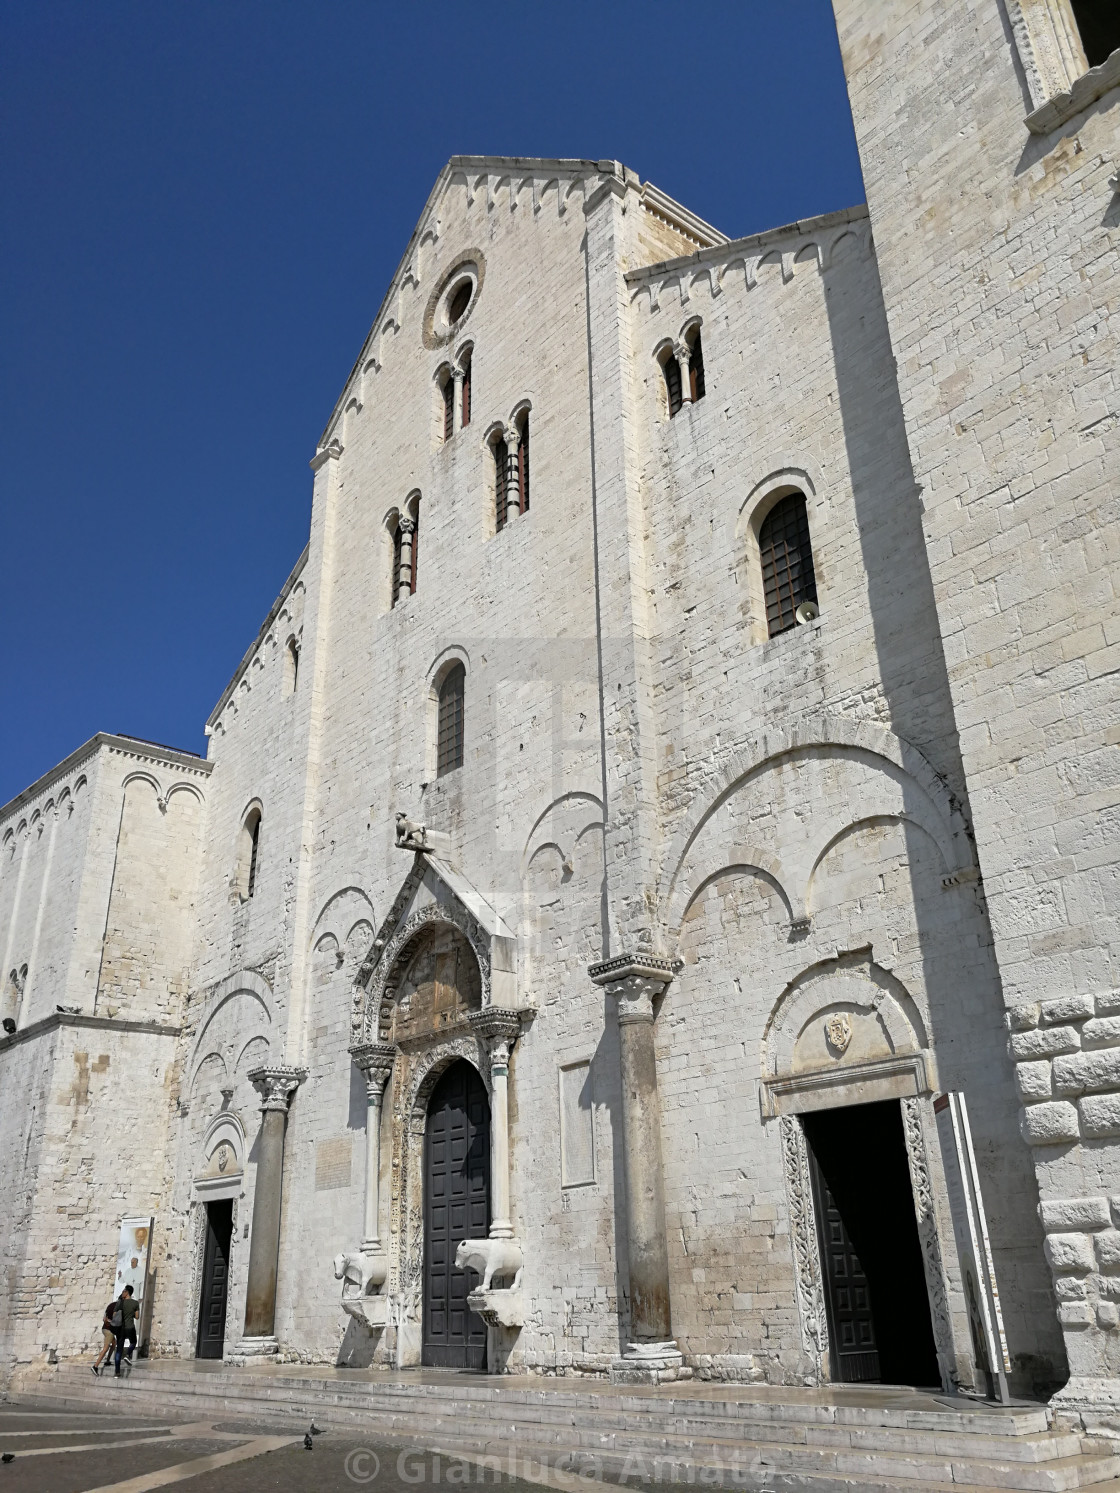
(449, 734)
(788, 577)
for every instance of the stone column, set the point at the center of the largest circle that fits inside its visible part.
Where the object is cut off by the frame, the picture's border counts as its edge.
(375, 1059)
(499, 1029)
(681, 355)
(457, 408)
(404, 578)
(513, 480)
(276, 1085)
(632, 983)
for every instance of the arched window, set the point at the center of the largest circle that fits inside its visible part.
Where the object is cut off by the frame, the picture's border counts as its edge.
(672, 371)
(695, 369)
(291, 666)
(414, 508)
(448, 406)
(788, 578)
(523, 461)
(449, 729)
(465, 416)
(501, 480)
(248, 857)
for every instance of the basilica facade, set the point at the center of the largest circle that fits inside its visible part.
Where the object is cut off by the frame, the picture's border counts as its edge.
(682, 754)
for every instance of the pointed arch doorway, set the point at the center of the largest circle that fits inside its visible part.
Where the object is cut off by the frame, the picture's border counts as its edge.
(456, 1207)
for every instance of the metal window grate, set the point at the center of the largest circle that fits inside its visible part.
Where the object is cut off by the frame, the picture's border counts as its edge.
(398, 540)
(449, 408)
(466, 416)
(788, 578)
(415, 546)
(449, 737)
(696, 371)
(254, 828)
(673, 384)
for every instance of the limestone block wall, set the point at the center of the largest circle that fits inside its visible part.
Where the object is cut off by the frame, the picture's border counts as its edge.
(79, 1162)
(996, 247)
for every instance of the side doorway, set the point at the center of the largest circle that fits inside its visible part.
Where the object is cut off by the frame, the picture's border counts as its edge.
(879, 1324)
(215, 1280)
(456, 1207)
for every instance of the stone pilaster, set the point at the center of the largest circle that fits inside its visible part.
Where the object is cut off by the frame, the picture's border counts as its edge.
(375, 1059)
(633, 982)
(276, 1084)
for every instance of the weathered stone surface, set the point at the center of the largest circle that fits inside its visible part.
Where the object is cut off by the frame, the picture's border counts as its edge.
(1075, 1213)
(1087, 1071)
(1033, 1081)
(1046, 1042)
(1100, 1117)
(1070, 1254)
(1049, 1124)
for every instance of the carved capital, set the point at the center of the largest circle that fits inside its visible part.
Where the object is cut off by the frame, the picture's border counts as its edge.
(407, 525)
(499, 1029)
(635, 981)
(276, 1083)
(375, 1059)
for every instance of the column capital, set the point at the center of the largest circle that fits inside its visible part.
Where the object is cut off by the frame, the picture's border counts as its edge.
(276, 1083)
(499, 1028)
(375, 1059)
(407, 524)
(635, 981)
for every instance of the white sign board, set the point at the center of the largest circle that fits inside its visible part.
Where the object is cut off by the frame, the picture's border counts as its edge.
(133, 1255)
(985, 1319)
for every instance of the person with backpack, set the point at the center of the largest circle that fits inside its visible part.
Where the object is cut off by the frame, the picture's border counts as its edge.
(108, 1336)
(128, 1307)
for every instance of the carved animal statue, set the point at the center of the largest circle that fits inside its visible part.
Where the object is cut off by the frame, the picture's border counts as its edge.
(491, 1257)
(410, 835)
(364, 1272)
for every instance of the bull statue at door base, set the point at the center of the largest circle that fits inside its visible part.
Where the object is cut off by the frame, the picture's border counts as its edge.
(362, 1275)
(490, 1257)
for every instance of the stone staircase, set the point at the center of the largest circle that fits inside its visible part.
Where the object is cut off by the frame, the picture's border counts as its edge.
(847, 1438)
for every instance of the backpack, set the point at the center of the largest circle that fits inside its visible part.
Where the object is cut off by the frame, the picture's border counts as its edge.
(116, 1316)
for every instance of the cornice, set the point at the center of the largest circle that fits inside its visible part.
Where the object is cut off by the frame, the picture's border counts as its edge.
(250, 652)
(728, 249)
(127, 746)
(78, 1019)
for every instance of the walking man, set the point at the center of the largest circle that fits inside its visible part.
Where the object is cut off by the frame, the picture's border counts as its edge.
(108, 1334)
(126, 1332)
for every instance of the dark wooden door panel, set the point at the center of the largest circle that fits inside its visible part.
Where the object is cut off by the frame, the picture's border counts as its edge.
(215, 1280)
(851, 1322)
(456, 1207)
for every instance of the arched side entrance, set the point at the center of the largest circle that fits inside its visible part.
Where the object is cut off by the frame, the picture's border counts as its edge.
(456, 1207)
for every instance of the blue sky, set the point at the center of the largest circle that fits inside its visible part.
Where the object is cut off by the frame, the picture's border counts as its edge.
(203, 204)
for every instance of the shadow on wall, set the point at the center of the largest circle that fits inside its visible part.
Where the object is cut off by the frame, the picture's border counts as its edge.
(958, 963)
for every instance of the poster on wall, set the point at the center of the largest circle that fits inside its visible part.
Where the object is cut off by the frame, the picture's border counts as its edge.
(133, 1256)
(970, 1226)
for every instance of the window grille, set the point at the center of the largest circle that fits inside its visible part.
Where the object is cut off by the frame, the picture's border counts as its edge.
(415, 547)
(696, 371)
(788, 578)
(501, 480)
(251, 836)
(523, 464)
(448, 408)
(673, 384)
(449, 736)
(466, 416)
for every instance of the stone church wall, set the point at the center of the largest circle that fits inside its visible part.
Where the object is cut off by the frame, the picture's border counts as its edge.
(997, 253)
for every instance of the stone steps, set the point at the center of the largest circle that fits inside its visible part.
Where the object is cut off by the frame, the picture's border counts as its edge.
(764, 1438)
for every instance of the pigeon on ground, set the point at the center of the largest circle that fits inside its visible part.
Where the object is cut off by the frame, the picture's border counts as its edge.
(316, 1430)
(307, 1441)
(8, 1457)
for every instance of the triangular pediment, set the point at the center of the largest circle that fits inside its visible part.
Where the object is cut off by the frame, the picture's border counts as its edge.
(519, 189)
(434, 893)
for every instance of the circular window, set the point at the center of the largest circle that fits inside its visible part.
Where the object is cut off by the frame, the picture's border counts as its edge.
(460, 300)
(454, 298)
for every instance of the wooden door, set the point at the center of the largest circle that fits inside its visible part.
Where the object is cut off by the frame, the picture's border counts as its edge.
(215, 1279)
(456, 1207)
(851, 1325)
